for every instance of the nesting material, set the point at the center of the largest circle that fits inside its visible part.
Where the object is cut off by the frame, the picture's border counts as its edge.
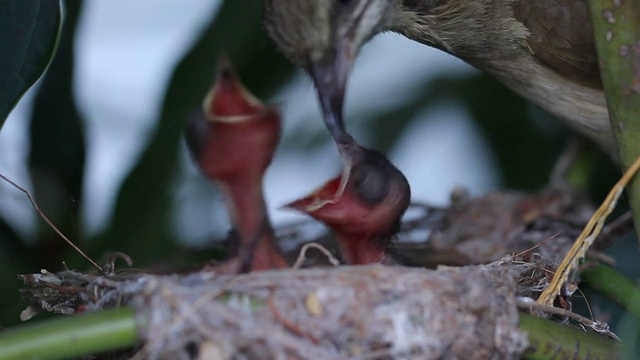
(361, 312)
(370, 312)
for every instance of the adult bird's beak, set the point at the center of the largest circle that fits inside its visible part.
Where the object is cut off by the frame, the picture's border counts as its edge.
(362, 206)
(330, 76)
(233, 140)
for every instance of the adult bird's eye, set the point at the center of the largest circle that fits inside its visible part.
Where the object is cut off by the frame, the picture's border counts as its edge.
(370, 182)
(344, 2)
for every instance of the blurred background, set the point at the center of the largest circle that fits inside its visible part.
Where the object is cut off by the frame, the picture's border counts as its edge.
(99, 142)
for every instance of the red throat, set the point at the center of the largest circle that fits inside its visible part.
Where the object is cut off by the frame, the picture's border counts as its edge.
(236, 146)
(359, 228)
(228, 97)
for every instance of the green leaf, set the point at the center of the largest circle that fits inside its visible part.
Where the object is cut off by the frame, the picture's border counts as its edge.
(28, 35)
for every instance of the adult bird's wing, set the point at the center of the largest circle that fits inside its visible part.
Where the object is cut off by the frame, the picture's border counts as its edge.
(562, 37)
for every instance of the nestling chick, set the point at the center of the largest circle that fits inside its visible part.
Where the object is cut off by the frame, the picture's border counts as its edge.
(233, 140)
(362, 206)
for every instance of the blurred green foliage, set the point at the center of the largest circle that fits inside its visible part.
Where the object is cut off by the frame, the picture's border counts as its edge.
(29, 32)
(28, 37)
(140, 226)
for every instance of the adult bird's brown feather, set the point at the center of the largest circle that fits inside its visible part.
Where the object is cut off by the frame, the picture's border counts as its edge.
(561, 36)
(541, 49)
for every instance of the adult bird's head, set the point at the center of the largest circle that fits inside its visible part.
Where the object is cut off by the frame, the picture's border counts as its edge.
(362, 207)
(323, 37)
(543, 50)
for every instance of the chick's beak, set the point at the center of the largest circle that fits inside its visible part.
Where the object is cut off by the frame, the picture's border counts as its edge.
(362, 206)
(228, 97)
(330, 76)
(233, 139)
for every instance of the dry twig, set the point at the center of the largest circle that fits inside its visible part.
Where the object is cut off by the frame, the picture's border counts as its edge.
(587, 237)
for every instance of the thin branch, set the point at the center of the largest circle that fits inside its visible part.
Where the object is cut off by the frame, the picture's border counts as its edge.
(46, 219)
(598, 326)
(302, 256)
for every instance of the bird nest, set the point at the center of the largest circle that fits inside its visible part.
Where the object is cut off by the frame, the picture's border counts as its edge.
(344, 312)
(355, 312)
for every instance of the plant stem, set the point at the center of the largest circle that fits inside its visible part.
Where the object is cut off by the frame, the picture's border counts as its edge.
(71, 336)
(615, 286)
(551, 340)
(616, 26)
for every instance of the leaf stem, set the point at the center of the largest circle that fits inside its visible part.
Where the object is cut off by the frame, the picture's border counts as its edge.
(71, 336)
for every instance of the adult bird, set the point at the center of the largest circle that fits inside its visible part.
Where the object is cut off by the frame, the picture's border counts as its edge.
(541, 49)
